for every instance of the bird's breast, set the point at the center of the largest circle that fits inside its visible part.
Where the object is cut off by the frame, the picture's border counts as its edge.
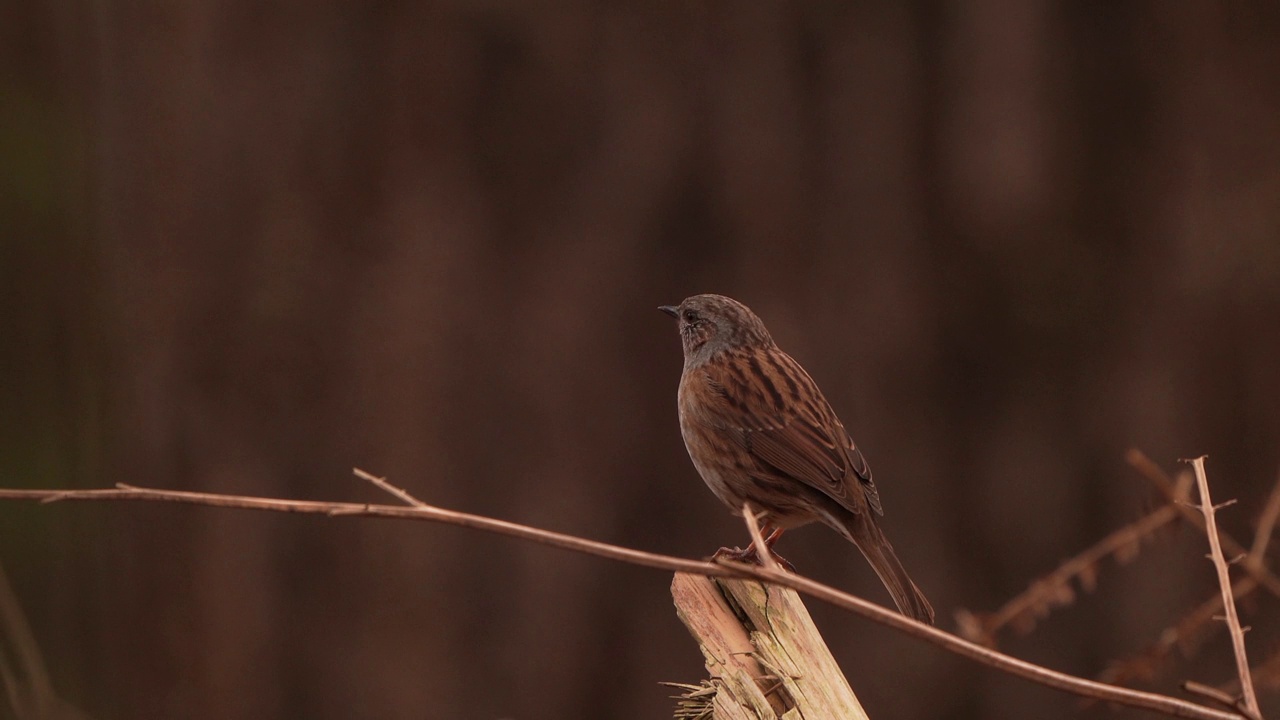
(719, 458)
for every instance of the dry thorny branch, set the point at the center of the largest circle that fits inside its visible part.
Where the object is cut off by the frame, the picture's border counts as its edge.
(1083, 571)
(1055, 589)
(1188, 634)
(1247, 703)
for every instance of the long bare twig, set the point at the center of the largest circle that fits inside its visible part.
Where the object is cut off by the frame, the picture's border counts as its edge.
(1248, 698)
(1208, 691)
(1051, 678)
(763, 552)
(1153, 472)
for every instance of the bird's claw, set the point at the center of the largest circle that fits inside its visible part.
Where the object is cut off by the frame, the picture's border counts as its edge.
(749, 556)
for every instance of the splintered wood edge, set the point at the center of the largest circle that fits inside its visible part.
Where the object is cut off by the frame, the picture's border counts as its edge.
(754, 641)
(726, 648)
(788, 642)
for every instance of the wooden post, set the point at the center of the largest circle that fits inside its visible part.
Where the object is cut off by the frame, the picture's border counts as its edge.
(763, 652)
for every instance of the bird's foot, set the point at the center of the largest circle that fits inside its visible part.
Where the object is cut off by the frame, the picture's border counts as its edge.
(750, 557)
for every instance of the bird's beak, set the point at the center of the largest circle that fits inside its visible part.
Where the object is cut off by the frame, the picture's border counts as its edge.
(671, 310)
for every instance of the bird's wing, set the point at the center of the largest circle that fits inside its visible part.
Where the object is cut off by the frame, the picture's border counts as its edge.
(784, 421)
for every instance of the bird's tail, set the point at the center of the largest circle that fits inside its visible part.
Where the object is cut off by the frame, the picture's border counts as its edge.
(866, 534)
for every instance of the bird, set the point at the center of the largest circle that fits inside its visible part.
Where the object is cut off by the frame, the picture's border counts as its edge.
(760, 432)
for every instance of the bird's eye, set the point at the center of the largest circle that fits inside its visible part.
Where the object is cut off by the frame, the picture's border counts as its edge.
(690, 316)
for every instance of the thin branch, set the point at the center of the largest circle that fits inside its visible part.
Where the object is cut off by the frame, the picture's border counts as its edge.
(763, 553)
(1153, 472)
(1051, 678)
(1054, 589)
(1208, 691)
(1228, 601)
(1190, 631)
(429, 513)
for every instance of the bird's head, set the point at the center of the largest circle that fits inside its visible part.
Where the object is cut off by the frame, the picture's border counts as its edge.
(710, 324)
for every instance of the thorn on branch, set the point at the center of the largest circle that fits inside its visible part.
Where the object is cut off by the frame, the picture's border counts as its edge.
(382, 484)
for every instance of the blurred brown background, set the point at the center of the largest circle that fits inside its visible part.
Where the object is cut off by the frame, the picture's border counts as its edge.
(247, 246)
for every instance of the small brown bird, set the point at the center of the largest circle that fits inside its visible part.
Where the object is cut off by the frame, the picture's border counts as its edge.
(758, 430)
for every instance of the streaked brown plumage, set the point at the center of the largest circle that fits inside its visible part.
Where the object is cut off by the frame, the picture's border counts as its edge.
(760, 431)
